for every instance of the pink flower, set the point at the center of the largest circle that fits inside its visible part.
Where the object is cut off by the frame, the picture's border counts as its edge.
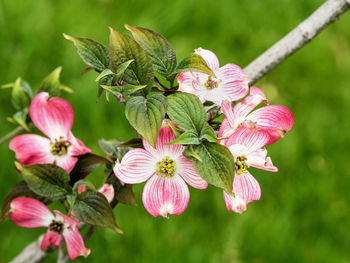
(276, 120)
(166, 169)
(107, 190)
(31, 213)
(54, 117)
(230, 84)
(246, 147)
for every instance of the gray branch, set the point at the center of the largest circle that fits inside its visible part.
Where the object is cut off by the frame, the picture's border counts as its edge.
(330, 11)
(303, 33)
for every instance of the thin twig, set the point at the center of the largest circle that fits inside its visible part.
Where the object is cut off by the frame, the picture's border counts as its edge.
(11, 134)
(307, 30)
(61, 257)
(329, 12)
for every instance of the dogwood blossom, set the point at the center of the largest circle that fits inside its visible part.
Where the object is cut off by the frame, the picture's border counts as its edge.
(246, 146)
(165, 169)
(230, 83)
(53, 117)
(31, 213)
(276, 120)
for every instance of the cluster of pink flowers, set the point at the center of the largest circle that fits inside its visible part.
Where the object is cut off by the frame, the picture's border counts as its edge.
(246, 133)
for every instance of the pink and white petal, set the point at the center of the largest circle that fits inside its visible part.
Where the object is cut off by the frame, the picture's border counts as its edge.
(276, 119)
(67, 162)
(50, 239)
(165, 135)
(69, 221)
(164, 196)
(53, 116)
(234, 83)
(187, 82)
(32, 149)
(78, 147)
(29, 212)
(246, 187)
(75, 244)
(252, 138)
(108, 191)
(210, 58)
(186, 170)
(228, 126)
(234, 204)
(259, 160)
(136, 166)
(81, 189)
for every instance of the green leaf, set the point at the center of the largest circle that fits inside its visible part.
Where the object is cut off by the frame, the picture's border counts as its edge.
(188, 137)
(20, 189)
(51, 84)
(176, 131)
(146, 115)
(109, 146)
(21, 94)
(133, 143)
(20, 117)
(186, 111)
(216, 166)
(125, 90)
(208, 133)
(123, 193)
(161, 52)
(93, 208)
(191, 154)
(86, 164)
(48, 180)
(93, 53)
(123, 48)
(193, 62)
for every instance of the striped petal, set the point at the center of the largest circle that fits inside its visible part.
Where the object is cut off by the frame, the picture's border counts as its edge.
(259, 160)
(67, 162)
(53, 116)
(136, 166)
(210, 58)
(253, 139)
(186, 170)
(32, 149)
(165, 136)
(77, 146)
(164, 196)
(75, 243)
(189, 82)
(29, 212)
(275, 119)
(50, 239)
(246, 189)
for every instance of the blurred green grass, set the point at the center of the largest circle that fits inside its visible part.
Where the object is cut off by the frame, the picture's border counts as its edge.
(303, 215)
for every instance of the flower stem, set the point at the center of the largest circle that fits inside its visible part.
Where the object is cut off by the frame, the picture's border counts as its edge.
(11, 134)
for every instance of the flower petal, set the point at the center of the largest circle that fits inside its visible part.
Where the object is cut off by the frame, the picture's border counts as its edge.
(186, 170)
(164, 196)
(78, 147)
(67, 162)
(69, 221)
(228, 125)
(252, 138)
(276, 119)
(165, 135)
(259, 160)
(246, 187)
(108, 191)
(188, 82)
(209, 57)
(50, 239)
(75, 243)
(234, 204)
(32, 149)
(53, 116)
(30, 213)
(136, 166)
(233, 86)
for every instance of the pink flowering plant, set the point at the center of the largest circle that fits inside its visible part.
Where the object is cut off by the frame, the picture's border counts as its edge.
(195, 126)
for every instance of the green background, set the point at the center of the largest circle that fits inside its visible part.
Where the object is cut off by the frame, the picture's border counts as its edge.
(303, 214)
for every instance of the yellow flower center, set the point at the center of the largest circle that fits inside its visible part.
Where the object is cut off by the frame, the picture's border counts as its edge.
(240, 165)
(59, 147)
(166, 168)
(211, 84)
(56, 226)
